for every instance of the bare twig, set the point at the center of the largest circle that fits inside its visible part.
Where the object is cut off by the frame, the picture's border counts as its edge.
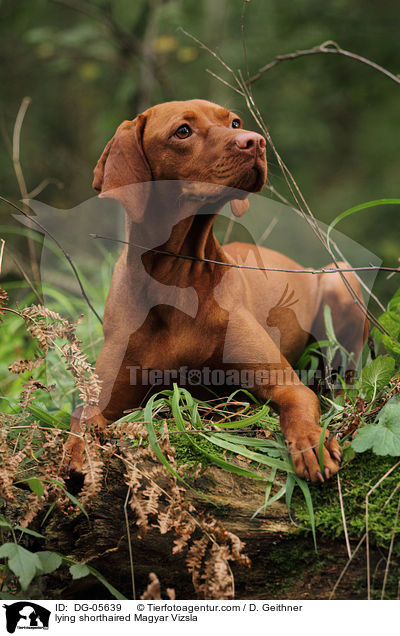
(1, 252)
(42, 185)
(369, 291)
(16, 146)
(21, 180)
(343, 517)
(67, 256)
(326, 47)
(206, 48)
(25, 275)
(292, 185)
(321, 270)
(343, 572)
(128, 534)
(221, 79)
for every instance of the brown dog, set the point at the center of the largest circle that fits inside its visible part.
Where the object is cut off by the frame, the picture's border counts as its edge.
(173, 168)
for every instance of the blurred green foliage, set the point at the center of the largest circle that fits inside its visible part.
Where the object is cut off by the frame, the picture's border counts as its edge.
(88, 64)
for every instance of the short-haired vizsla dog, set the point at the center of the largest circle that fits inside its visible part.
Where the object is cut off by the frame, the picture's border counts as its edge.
(173, 168)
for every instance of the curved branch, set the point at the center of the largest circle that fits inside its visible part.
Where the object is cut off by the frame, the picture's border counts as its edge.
(326, 47)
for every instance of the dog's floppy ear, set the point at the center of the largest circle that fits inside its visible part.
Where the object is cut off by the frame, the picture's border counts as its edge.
(123, 167)
(239, 206)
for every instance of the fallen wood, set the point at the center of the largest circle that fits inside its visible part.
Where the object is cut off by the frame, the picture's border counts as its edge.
(283, 561)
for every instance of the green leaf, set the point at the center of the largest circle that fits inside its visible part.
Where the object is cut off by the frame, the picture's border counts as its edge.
(308, 499)
(279, 464)
(45, 416)
(49, 561)
(214, 458)
(328, 323)
(358, 208)
(36, 486)
(377, 375)
(152, 436)
(382, 436)
(31, 532)
(25, 565)
(348, 454)
(4, 523)
(79, 570)
(390, 320)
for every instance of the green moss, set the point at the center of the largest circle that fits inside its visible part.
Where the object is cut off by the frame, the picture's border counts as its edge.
(186, 453)
(356, 478)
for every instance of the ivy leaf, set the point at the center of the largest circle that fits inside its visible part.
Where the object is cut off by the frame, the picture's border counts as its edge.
(383, 435)
(79, 570)
(49, 561)
(377, 375)
(23, 563)
(36, 486)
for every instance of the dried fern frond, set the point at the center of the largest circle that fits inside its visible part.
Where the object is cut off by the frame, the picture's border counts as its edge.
(153, 590)
(19, 366)
(47, 327)
(3, 301)
(93, 471)
(30, 388)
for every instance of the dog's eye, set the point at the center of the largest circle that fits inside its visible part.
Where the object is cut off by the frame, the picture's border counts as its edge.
(236, 123)
(183, 131)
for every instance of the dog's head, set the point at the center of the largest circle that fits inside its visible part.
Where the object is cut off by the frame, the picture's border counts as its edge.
(193, 141)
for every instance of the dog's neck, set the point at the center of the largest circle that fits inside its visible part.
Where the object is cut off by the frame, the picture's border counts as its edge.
(186, 234)
(194, 236)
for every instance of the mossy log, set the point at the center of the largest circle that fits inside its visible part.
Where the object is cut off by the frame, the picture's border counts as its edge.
(283, 560)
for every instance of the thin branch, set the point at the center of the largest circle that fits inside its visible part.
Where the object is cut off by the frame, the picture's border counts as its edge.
(333, 243)
(1, 252)
(42, 185)
(343, 572)
(221, 79)
(16, 146)
(128, 533)
(25, 275)
(321, 270)
(326, 47)
(206, 48)
(343, 517)
(300, 201)
(67, 256)
(20, 177)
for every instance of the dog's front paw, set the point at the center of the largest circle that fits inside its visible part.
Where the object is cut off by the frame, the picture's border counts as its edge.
(303, 444)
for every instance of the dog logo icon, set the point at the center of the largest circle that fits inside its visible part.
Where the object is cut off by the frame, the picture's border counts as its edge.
(194, 376)
(26, 615)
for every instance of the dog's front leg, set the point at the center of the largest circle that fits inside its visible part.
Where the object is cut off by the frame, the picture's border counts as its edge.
(299, 411)
(272, 378)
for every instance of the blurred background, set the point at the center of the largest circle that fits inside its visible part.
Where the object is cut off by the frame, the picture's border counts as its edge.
(89, 64)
